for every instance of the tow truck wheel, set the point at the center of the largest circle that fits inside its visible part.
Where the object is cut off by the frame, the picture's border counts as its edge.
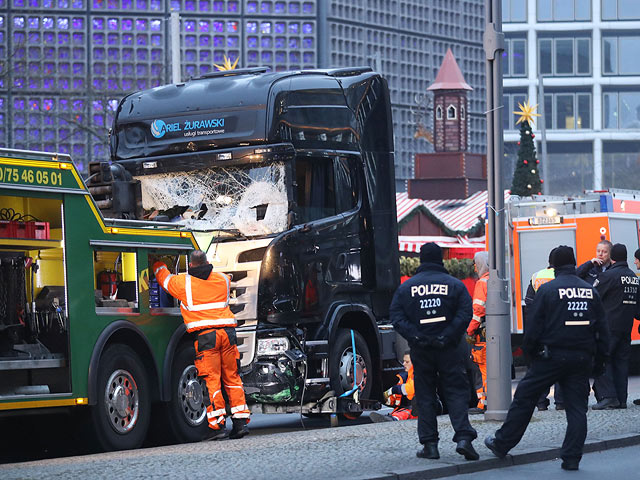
(341, 361)
(186, 412)
(122, 412)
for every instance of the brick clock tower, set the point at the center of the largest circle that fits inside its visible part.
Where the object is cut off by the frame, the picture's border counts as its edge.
(449, 107)
(451, 172)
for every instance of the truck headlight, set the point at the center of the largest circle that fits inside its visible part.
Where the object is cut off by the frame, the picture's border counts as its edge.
(272, 345)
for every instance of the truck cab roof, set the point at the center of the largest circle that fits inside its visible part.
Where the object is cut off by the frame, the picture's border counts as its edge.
(245, 107)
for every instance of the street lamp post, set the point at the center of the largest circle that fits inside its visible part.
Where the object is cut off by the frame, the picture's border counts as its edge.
(497, 307)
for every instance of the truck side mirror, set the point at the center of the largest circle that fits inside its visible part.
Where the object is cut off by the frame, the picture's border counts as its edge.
(105, 172)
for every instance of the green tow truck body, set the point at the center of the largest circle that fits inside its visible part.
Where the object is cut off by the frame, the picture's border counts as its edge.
(81, 323)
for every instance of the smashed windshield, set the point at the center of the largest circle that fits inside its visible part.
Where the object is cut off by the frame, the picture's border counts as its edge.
(252, 200)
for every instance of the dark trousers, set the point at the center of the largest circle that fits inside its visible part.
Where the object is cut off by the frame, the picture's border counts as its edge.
(446, 368)
(473, 371)
(543, 401)
(571, 370)
(614, 382)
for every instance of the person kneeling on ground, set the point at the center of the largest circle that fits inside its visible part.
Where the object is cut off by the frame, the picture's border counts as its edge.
(401, 397)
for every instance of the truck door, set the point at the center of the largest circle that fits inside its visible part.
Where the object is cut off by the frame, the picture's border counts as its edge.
(329, 244)
(625, 231)
(533, 254)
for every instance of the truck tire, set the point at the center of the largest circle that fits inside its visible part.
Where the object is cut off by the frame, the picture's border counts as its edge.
(122, 412)
(341, 364)
(186, 413)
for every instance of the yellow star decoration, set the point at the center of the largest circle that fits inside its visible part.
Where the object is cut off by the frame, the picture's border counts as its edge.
(527, 112)
(227, 64)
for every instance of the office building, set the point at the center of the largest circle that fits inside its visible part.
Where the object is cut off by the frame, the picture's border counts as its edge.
(64, 64)
(587, 54)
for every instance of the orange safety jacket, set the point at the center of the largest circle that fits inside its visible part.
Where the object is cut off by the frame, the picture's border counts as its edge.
(407, 387)
(203, 303)
(404, 388)
(479, 304)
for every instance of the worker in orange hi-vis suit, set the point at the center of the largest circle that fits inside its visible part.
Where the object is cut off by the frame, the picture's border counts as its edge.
(401, 396)
(204, 303)
(476, 331)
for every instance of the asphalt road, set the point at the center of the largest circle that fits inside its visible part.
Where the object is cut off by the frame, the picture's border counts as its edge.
(616, 463)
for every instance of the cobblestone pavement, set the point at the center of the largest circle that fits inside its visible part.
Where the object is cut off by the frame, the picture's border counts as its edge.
(373, 451)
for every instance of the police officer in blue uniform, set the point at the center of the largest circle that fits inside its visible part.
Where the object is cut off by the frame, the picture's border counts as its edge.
(567, 337)
(618, 288)
(431, 311)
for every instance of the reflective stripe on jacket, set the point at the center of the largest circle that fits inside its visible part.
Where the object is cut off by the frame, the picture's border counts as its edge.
(479, 304)
(408, 388)
(404, 386)
(541, 277)
(203, 303)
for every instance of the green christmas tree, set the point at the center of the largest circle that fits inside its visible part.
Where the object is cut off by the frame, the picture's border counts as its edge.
(526, 177)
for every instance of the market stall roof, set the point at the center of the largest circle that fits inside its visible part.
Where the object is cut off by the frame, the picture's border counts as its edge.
(413, 243)
(456, 215)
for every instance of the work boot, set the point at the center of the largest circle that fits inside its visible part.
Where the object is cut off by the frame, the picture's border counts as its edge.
(490, 442)
(379, 418)
(465, 449)
(606, 404)
(217, 434)
(559, 406)
(430, 451)
(239, 429)
(542, 408)
(636, 401)
(570, 464)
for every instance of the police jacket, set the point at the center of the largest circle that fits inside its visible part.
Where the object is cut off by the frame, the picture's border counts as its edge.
(618, 288)
(431, 304)
(567, 314)
(590, 272)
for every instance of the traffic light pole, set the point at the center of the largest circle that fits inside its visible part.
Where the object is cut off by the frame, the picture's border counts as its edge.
(497, 308)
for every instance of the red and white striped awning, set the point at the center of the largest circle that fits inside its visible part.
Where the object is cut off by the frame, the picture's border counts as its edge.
(413, 243)
(406, 205)
(456, 214)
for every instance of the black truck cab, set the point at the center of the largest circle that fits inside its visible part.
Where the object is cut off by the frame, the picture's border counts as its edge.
(287, 180)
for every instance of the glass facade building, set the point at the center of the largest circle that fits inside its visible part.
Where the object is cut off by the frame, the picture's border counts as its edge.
(585, 52)
(64, 64)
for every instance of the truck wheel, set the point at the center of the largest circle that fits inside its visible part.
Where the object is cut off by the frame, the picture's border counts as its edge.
(341, 362)
(186, 413)
(122, 413)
